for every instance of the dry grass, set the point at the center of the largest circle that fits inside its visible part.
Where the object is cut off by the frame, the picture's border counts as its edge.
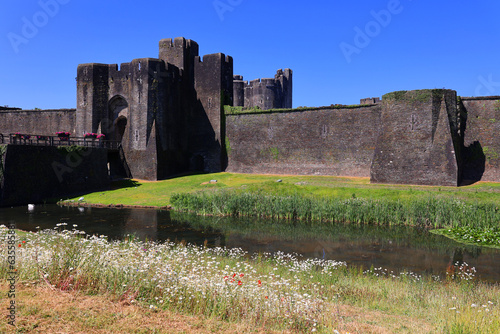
(43, 310)
(350, 319)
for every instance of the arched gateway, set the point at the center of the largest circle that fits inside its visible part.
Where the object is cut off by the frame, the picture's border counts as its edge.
(115, 124)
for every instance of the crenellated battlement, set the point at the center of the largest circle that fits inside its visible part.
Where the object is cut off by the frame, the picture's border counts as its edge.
(179, 51)
(178, 42)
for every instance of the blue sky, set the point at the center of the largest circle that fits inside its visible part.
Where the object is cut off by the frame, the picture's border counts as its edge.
(340, 51)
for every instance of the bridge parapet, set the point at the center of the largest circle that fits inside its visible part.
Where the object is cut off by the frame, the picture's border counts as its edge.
(39, 140)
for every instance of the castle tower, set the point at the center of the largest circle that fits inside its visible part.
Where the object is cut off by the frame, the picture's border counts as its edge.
(283, 80)
(238, 91)
(264, 93)
(181, 53)
(214, 89)
(419, 141)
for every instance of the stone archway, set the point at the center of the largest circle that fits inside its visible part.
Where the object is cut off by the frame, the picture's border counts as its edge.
(117, 119)
(120, 124)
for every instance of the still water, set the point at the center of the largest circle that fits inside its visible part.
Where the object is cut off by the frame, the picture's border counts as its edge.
(392, 248)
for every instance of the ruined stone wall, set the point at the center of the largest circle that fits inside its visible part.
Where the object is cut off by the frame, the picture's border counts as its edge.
(482, 139)
(38, 122)
(33, 174)
(311, 142)
(419, 139)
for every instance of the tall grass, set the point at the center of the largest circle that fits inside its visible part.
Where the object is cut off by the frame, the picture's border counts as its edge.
(432, 211)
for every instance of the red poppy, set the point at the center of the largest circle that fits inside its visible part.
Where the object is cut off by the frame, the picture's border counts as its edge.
(20, 245)
(267, 297)
(234, 275)
(259, 282)
(241, 275)
(239, 283)
(226, 278)
(24, 242)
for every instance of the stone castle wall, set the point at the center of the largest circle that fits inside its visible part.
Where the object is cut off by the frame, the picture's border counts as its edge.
(313, 142)
(427, 137)
(38, 122)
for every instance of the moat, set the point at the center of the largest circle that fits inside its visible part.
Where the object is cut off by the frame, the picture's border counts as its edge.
(393, 248)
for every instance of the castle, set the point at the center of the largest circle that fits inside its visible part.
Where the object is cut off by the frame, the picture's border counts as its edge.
(168, 114)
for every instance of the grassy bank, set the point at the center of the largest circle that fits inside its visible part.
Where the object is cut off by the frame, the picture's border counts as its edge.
(318, 200)
(270, 291)
(136, 192)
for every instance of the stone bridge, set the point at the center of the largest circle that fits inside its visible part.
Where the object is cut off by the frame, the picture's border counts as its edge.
(35, 168)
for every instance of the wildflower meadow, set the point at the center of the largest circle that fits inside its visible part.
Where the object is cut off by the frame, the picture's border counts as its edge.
(278, 291)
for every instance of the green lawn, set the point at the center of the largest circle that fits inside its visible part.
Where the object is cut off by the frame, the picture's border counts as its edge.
(144, 193)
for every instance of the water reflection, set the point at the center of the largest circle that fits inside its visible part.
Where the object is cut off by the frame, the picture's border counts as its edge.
(388, 247)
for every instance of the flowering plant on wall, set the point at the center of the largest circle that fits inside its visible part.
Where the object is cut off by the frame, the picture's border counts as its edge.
(100, 136)
(90, 135)
(19, 135)
(63, 134)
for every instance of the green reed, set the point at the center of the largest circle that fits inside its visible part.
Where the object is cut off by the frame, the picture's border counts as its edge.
(432, 211)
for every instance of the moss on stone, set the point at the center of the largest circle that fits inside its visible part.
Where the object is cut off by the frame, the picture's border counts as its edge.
(414, 95)
(229, 110)
(228, 146)
(497, 105)
(490, 153)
